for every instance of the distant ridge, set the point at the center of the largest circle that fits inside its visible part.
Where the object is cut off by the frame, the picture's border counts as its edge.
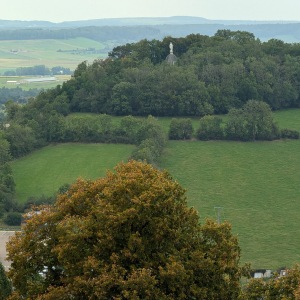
(175, 20)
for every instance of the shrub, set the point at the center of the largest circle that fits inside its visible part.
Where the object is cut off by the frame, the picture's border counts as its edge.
(13, 219)
(289, 134)
(210, 128)
(181, 129)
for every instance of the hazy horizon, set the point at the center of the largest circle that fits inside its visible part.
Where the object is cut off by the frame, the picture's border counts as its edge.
(59, 11)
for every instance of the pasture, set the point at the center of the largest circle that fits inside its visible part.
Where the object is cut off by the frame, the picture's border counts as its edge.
(253, 185)
(256, 185)
(45, 170)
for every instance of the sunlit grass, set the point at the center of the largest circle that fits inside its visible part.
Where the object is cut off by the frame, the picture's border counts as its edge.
(44, 171)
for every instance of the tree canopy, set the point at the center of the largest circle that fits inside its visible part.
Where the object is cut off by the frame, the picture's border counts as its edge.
(129, 235)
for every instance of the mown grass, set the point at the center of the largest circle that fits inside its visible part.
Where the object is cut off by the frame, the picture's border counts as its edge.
(288, 118)
(257, 187)
(44, 171)
(45, 52)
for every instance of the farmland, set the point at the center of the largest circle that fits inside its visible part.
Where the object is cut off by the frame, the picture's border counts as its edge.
(67, 53)
(254, 185)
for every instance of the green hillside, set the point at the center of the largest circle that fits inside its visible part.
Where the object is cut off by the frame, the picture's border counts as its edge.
(44, 171)
(255, 184)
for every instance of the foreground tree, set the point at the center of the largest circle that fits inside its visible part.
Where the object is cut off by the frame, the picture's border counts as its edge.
(129, 235)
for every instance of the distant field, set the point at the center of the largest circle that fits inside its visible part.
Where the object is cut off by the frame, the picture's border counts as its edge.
(28, 53)
(45, 170)
(20, 81)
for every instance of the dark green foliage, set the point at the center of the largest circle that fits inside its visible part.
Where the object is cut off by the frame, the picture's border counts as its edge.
(289, 134)
(42, 200)
(41, 70)
(151, 141)
(4, 151)
(254, 121)
(210, 128)
(16, 94)
(7, 188)
(129, 126)
(5, 284)
(13, 219)
(181, 129)
(21, 139)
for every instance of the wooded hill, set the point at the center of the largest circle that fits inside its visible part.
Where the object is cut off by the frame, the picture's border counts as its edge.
(212, 75)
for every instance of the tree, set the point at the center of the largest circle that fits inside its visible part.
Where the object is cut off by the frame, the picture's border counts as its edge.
(129, 235)
(5, 285)
(181, 129)
(210, 128)
(254, 121)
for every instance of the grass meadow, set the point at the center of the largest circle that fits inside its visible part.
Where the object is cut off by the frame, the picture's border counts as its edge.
(257, 187)
(253, 185)
(45, 170)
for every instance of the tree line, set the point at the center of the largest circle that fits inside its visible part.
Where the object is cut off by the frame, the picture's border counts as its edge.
(38, 70)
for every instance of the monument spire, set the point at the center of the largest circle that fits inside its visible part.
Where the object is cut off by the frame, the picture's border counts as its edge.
(171, 58)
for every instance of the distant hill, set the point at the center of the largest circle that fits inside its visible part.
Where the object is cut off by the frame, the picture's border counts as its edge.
(176, 20)
(133, 29)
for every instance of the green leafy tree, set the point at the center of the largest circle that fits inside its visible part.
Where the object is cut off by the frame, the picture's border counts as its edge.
(210, 128)
(129, 235)
(4, 151)
(254, 121)
(181, 129)
(22, 139)
(5, 284)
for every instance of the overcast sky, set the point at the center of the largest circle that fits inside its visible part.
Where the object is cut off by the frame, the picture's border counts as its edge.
(71, 10)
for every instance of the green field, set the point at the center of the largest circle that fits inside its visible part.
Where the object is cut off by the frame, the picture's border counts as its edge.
(44, 171)
(28, 53)
(256, 185)
(288, 118)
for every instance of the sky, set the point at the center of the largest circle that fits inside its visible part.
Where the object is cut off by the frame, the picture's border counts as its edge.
(73, 10)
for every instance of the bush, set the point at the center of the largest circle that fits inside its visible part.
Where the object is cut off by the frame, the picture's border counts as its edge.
(254, 121)
(13, 219)
(289, 134)
(210, 128)
(181, 129)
